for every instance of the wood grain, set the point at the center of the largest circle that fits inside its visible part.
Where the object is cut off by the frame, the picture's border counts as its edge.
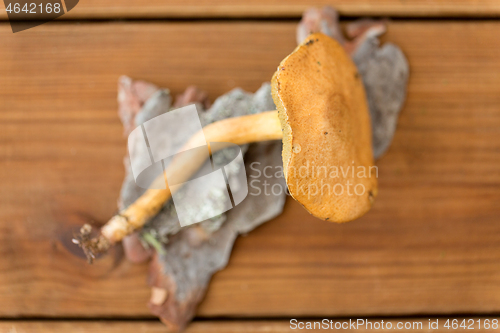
(279, 326)
(430, 245)
(104, 9)
(141, 327)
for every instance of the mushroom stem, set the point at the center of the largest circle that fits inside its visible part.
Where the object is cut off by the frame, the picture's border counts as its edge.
(239, 130)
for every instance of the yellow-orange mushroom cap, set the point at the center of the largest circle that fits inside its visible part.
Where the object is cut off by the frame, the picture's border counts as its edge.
(327, 139)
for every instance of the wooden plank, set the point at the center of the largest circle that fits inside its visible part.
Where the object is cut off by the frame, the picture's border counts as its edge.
(276, 8)
(139, 327)
(278, 326)
(429, 245)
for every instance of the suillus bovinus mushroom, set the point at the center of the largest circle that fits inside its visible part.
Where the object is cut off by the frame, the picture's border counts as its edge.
(322, 117)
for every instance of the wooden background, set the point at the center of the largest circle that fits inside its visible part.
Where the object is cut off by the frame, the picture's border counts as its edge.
(429, 247)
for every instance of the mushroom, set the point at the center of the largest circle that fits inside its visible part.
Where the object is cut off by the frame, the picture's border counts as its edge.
(322, 117)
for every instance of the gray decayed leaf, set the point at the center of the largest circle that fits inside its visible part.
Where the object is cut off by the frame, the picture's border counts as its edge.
(188, 257)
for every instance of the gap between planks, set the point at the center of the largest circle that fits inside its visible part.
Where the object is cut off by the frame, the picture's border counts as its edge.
(244, 326)
(117, 9)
